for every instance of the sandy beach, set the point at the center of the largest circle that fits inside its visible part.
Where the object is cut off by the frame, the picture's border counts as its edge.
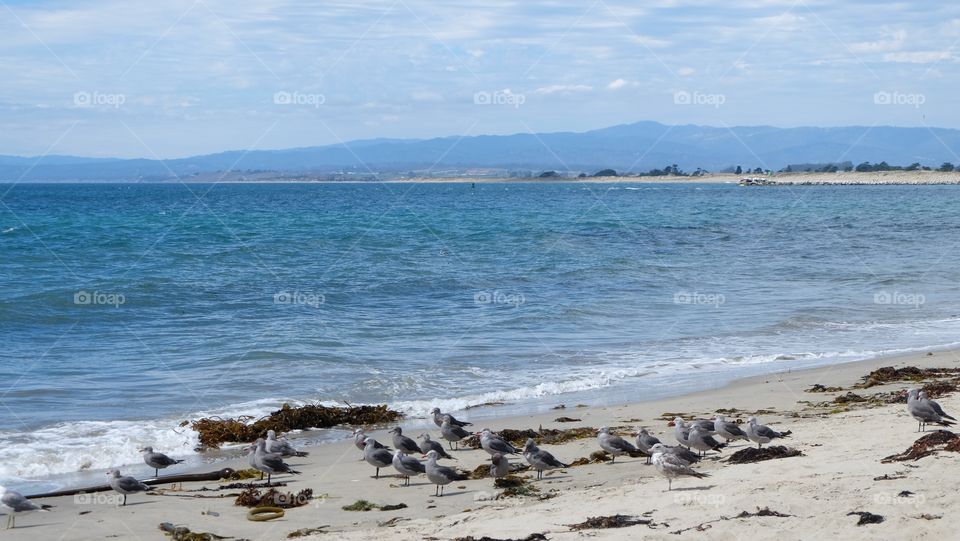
(842, 448)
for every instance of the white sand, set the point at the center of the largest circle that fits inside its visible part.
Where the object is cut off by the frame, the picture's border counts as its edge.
(842, 453)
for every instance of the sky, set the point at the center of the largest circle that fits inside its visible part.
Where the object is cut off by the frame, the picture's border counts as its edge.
(185, 77)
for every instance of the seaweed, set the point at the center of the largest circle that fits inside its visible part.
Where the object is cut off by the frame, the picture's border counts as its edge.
(214, 431)
(543, 436)
(182, 533)
(849, 398)
(596, 457)
(612, 521)
(274, 498)
(240, 475)
(752, 454)
(866, 518)
(941, 440)
(817, 388)
(762, 512)
(566, 420)
(303, 532)
(364, 505)
(889, 374)
(531, 537)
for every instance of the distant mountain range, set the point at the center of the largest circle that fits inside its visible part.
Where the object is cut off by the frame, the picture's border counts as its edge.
(640, 146)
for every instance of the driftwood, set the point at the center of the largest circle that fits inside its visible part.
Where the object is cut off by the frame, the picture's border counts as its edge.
(184, 478)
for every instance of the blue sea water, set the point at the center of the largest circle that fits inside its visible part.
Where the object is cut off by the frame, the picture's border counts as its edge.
(125, 308)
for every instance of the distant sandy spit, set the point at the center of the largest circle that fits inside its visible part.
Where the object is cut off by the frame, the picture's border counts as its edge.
(851, 178)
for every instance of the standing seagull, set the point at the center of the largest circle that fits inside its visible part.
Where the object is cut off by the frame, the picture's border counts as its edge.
(681, 432)
(157, 461)
(936, 407)
(682, 453)
(924, 412)
(378, 458)
(125, 485)
(500, 466)
(671, 467)
(269, 463)
(403, 443)
(494, 444)
(17, 503)
(427, 445)
(282, 446)
(407, 466)
(761, 434)
(703, 442)
(451, 432)
(729, 431)
(540, 459)
(438, 418)
(615, 445)
(440, 475)
(645, 442)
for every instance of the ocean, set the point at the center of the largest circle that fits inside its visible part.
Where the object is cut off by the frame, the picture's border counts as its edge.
(127, 308)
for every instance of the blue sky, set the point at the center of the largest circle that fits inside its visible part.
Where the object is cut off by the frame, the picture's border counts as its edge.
(176, 78)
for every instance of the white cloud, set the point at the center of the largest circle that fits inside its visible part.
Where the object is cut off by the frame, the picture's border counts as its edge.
(894, 43)
(918, 57)
(617, 84)
(686, 71)
(562, 89)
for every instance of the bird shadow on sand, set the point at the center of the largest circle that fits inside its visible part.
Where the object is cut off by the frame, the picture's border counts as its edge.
(683, 489)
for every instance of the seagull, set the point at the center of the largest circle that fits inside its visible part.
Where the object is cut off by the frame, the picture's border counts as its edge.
(705, 424)
(407, 466)
(269, 463)
(378, 458)
(541, 460)
(500, 466)
(282, 446)
(671, 467)
(494, 444)
(681, 432)
(439, 475)
(645, 441)
(761, 434)
(729, 431)
(615, 445)
(451, 432)
(427, 444)
(438, 418)
(702, 441)
(17, 503)
(157, 461)
(682, 453)
(125, 485)
(924, 411)
(936, 407)
(404, 443)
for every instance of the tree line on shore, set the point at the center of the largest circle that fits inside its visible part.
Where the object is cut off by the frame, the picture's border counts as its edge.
(674, 170)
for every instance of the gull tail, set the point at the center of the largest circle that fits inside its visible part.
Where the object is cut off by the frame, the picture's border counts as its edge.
(699, 475)
(301, 454)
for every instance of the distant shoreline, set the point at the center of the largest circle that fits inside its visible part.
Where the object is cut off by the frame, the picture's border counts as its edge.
(852, 178)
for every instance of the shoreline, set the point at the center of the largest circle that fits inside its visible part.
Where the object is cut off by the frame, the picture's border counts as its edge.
(617, 395)
(334, 472)
(843, 178)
